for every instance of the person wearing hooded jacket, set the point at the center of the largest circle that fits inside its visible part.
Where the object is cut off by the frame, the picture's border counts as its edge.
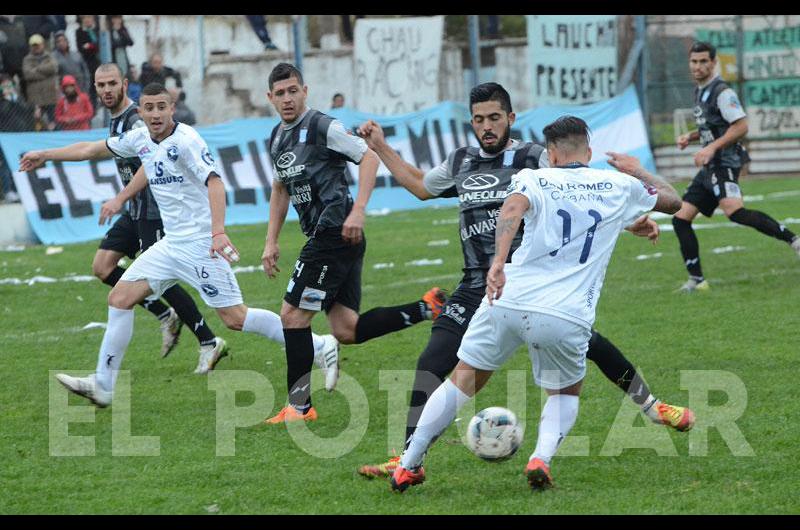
(74, 111)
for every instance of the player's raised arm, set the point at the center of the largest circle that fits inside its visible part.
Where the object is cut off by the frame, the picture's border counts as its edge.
(668, 199)
(111, 207)
(278, 207)
(408, 176)
(70, 153)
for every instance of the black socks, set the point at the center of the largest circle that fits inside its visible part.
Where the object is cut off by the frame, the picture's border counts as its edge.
(382, 320)
(299, 361)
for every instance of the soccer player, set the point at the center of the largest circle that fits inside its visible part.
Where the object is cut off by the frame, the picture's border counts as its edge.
(310, 151)
(139, 226)
(185, 182)
(721, 124)
(479, 177)
(547, 296)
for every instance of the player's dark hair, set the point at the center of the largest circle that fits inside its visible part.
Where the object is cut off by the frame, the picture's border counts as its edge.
(490, 92)
(700, 47)
(569, 133)
(111, 66)
(284, 71)
(338, 95)
(154, 89)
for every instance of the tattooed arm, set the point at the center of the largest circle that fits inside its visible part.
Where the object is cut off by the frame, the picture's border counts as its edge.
(507, 226)
(668, 200)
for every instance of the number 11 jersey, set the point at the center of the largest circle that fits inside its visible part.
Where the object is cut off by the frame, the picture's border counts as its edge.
(575, 217)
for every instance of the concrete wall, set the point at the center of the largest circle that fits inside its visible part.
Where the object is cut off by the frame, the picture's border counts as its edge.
(236, 86)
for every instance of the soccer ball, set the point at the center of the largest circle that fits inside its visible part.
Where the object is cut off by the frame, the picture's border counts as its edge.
(494, 434)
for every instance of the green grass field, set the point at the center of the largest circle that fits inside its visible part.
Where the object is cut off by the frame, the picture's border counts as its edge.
(746, 328)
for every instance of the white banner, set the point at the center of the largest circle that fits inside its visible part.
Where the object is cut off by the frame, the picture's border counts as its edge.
(397, 64)
(572, 59)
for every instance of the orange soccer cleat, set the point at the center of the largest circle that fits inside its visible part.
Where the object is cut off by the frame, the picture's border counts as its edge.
(538, 474)
(289, 413)
(434, 299)
(403, 478)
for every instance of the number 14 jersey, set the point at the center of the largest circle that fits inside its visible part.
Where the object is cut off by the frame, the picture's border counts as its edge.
(575, 217)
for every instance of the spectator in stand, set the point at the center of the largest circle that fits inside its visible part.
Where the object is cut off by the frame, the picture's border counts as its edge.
(15, 114)
(183, 113)
(120, 39)
(259, 24)
(134, 86)
(70, 62)
(43, 25)
(338, 101)
(40, 69)
(13, 46)
(87, 37)
(155, 72)
(74, 112)
(60, 21)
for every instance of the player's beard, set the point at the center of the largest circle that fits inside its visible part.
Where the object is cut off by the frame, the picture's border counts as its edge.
(118, 97)
(499, 145)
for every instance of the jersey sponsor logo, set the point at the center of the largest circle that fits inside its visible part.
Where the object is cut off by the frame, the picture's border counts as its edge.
(732, 190)
(480, 181)
(301, 194)
(582, 186)
(166, 180)
(143, 151)
(483, 196)
(481, 227)
(311, 299)
(286, 160)
(288, 171)
(209, 289)
(207, 158)
(172, 153)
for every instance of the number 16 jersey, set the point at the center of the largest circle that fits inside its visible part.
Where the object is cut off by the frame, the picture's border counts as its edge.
(575, 217)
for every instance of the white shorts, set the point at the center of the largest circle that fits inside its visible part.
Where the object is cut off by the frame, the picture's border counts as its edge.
(166, 262)
(557, 347)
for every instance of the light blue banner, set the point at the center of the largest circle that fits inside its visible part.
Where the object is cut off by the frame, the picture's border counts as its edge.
(63, 200)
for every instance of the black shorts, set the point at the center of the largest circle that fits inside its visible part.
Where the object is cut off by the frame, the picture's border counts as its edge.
(326, 274)
(710, 185)
(459, 309)
(129, 237)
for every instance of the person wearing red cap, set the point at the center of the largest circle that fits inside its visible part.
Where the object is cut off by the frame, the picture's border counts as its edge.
(74, 110)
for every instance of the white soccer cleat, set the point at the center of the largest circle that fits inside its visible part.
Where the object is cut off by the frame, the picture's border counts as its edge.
(796, 245)
(327, 358)
(170, 331)
(86, 387)
(693, 285)
(210, 356)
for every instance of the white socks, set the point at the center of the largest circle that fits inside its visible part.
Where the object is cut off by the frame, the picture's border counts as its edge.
(438, 414)
(268, 324)
(650, 408)
(264, 323)
(558, 416)
(115, 341)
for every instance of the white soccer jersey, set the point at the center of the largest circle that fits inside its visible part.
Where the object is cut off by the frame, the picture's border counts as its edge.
(575, 217)
(177, 169)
